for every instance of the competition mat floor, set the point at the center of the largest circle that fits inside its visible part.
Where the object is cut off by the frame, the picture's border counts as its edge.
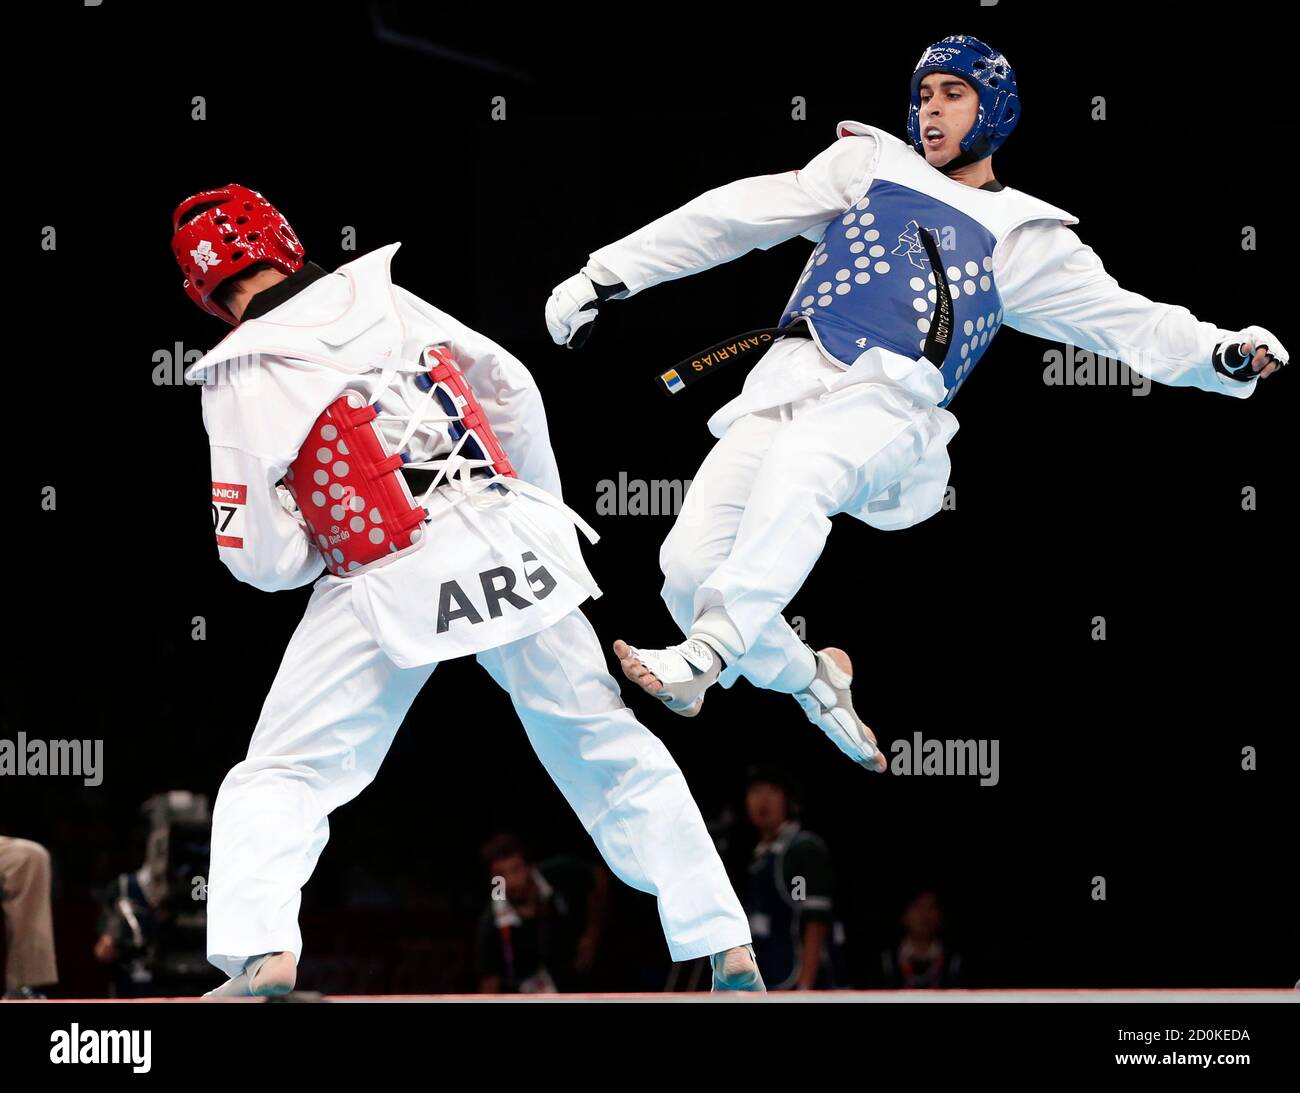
(931, 997)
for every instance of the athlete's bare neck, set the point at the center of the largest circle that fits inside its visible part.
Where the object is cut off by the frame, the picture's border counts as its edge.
(974, 174)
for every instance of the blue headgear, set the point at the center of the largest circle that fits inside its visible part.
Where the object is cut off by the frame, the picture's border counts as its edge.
(991, 76)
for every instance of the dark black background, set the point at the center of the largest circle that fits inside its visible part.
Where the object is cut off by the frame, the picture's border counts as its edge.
(1119, 758)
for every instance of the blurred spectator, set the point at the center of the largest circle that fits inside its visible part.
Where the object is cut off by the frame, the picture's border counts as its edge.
(541, 931)
(153, 921)
(29, 926)
(921, 961)
(789, 890)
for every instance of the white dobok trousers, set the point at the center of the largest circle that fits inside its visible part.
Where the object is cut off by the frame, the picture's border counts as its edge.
(332, 713)
(758, 511)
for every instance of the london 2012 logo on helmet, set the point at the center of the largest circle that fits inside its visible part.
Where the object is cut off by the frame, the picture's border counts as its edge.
(937, 56)
(203, 256)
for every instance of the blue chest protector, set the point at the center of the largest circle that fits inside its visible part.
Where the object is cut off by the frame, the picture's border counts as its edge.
(869, 282)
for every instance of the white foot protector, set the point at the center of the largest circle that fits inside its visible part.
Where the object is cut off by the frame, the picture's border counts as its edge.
(686, 672)
(829, 706)
(247, 985)
(733, 972)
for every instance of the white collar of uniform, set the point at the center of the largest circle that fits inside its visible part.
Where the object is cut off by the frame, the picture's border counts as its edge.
(1028, 207)
(854, 129)
(370, 286)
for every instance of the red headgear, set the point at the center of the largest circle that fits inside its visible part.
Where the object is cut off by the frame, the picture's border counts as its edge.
(236, 228)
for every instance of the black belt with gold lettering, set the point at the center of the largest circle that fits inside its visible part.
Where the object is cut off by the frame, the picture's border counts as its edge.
(750, 345)
(754, 343)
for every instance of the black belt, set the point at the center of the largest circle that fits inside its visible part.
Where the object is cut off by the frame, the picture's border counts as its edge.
(752, 344)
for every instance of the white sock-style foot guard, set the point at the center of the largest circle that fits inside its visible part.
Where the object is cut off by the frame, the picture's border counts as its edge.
(737, 970)
(829, 706)
(279, 978)
(684, 672)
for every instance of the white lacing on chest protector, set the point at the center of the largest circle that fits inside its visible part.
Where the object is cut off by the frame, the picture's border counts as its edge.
(456, 472)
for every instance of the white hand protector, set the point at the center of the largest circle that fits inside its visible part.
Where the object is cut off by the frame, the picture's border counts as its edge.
(1228, 359)
(571, 309)
(829, 706)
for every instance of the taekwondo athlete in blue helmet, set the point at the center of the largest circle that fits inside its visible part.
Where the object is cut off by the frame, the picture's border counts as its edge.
(921, 256)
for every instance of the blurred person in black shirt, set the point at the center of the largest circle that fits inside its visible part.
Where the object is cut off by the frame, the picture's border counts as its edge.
(788, 896)
(541, 931)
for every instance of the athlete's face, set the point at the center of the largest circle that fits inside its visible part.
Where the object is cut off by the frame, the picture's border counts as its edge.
(949, 107)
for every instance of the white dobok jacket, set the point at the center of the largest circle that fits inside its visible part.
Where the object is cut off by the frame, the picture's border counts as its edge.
(268, 382)
(1049, 282)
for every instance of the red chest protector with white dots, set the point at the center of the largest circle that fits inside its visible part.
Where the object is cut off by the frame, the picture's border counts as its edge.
(348, 486)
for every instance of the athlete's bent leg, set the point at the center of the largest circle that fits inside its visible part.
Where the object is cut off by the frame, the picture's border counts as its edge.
(327, 723)
(701, 539)
(835, 455)
(625, 787)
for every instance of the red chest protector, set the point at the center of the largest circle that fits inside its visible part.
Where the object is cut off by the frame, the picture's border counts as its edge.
(348, 486)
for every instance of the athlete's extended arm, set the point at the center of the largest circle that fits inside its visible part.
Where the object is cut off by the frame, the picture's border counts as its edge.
(716, 227)
(1054, 286)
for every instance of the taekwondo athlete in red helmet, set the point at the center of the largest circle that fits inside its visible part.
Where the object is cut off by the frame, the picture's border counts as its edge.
(366, 441)
(921, 255)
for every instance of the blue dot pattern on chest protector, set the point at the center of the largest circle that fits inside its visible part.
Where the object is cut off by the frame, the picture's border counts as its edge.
(868, 282)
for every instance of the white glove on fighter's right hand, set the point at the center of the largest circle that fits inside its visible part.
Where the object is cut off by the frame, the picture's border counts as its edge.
(1251, 353)
(571, 310)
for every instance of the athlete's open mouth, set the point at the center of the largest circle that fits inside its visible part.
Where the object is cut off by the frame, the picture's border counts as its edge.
(934, 136)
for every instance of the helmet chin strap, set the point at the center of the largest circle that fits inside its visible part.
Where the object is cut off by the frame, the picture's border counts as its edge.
(961, 159)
